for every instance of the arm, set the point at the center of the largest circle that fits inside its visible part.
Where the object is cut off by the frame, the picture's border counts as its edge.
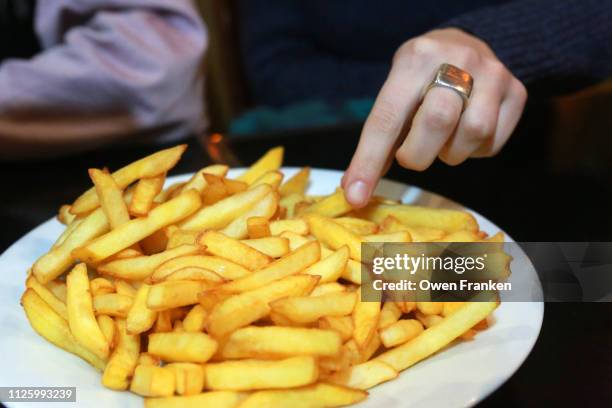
(284, 64)
(109, 67)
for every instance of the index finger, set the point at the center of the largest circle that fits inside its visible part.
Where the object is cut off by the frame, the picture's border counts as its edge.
(393, 108)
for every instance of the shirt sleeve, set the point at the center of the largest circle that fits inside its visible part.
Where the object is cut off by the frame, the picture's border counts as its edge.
(139, 60)
(552, 46)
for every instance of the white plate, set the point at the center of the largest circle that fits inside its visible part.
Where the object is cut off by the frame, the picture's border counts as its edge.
(459, 376)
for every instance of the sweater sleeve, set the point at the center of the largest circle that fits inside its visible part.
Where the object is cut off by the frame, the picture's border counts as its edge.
(552, 46)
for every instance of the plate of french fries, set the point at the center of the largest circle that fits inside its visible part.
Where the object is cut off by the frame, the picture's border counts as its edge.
(241, 288)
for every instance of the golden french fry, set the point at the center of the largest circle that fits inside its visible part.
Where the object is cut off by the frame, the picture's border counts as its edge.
(319, 395)
(365, 375)
(195, 274)
(198, 180)
(309, 309)
(215, 190)
(233, 250)
(141, 267)
(365, 321)
(352, 272)
(273, 178)
(59, 259)
(222, 267)
(67, 231)
(113, 304)
(331, 267)
(278, 342)
(400, 236)
(216, 399)
(171, 294)
(148, 359)
(195, 321)
(264, 209)
(124, 288)
(101, 286)
(290, 264)
(64, 215)
(258, 227)
(358, 226)
(150, 166)
(163, 323)
(325, 288)
(81, 318)
(334, 235)
(182, 347)
(110, 197)
(58, 288)
(296, 184)
(389, 314)
(297, 226)
(109, 329)
(272, 160)
(221, 213)
(418, 234)
(438, 336)
(274, 247)
(400, 332)
(47, 296)
(179, 237)
(122, 362)
(289, 203)
(416, 216)
(133, 231)
(152, 381)
(235, 186)
(332, 206)
(254, 374)
(144, 194)
(140, 318)
(189, 377)
(341, 324)
(53, 328)
(430, 308)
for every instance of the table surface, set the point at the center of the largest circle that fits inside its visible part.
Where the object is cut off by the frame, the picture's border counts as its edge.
(571, 363)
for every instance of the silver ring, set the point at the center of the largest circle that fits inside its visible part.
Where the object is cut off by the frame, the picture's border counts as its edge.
(452, 77)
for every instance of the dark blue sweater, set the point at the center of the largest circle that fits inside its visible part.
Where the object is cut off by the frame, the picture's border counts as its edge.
(297, 50)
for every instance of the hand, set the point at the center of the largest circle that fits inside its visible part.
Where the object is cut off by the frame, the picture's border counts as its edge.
(435, 126)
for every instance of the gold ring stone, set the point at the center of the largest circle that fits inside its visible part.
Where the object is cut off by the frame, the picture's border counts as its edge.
(452, 77)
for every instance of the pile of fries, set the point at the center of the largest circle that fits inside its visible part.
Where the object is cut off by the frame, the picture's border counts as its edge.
(236, 292)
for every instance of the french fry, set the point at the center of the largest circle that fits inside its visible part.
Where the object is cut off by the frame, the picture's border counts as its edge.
(215, 190)
(110, 197)
(400, 332)
(365, 375)
(290, 264)
(235, 186)
(122, 362)
(133, 231)
(140, 318)
(101, 286)
(59, 259)
(127, 253)
(358, 226)
(274, 247)
(331, 267)
(195, 274)
(272, 160)
(53, 328)
(150, 166)
(438, 336)
(108, 328)
(264, 209)
(254, 374)
(163, 323)
(332, 206)
(113, 304)
(365, 321)
(189, 377)
(309, 309)
(319, 395)
(64, 215)
(415, 216)
(47, 296)
(430, 308)
(222, 267)
(216, 399)
(81, 318)
(58, 288)
(233, 250)
(179, 237)
(141, 267)
(258, 227)
(334, 235)
(297, 226)
(389, 314)
(418, 234)
(171, 294)
(273, 178)
(198, 180)
(289, 204)
(221, 213)
(67, 231)
(296, 184)
(400, 236)
(124, 288)
(195, 321)
(279, 342)
(325, 288)
(182, 347)
(148, 359)
(145, 192)
(152, 381)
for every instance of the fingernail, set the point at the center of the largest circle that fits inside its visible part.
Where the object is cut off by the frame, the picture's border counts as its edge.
(357, 192)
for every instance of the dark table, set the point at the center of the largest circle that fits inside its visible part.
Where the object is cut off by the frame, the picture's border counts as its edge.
(571, 363)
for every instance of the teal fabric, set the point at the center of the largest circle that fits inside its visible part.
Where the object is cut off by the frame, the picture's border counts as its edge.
(304, 115)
